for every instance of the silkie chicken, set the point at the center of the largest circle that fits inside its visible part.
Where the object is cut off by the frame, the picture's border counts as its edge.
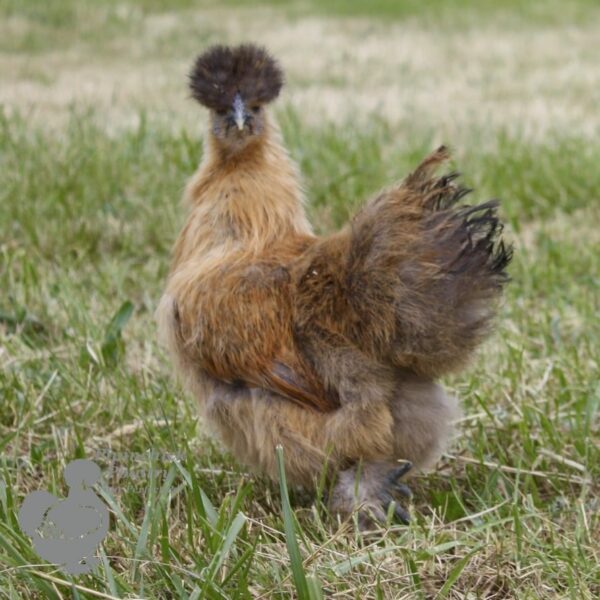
(329, 346)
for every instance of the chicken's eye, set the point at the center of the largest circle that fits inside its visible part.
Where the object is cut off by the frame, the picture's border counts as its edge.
(221, 112)
(255, 109)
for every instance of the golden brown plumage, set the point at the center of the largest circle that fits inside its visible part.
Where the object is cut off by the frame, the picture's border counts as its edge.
(328, 346)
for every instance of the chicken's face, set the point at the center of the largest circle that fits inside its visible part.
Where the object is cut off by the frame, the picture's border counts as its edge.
(236, 83)
(239, 123)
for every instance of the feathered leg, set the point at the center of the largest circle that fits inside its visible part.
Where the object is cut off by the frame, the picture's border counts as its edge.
(423, 420)
(423, 417)
(369, 488)
(252, 422)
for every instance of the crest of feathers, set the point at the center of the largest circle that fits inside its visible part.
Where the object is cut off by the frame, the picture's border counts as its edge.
(221, 72)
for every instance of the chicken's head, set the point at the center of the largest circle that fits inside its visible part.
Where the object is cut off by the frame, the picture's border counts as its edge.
(235, 83)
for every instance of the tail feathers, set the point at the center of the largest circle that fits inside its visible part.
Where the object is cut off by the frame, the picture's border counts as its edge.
(420, 180)
(429, 267)
(474, 240)
(431, 193)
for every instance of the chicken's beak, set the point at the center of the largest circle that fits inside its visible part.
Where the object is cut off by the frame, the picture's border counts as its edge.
(239, 112)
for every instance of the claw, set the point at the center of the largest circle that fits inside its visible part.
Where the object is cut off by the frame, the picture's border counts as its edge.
(402, 514)
(398, 472)
(391, 486)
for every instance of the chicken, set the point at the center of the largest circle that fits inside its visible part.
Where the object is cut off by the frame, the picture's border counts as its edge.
(329, 346)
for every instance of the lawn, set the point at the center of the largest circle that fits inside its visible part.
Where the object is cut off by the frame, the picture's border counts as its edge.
(97, 139)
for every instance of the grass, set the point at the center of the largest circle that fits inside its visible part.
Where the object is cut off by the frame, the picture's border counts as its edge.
(87, 218)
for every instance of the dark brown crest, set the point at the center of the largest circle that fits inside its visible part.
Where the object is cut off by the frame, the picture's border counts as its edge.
(223, 71)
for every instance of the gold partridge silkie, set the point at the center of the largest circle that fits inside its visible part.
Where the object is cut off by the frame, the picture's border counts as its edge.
(329, 346)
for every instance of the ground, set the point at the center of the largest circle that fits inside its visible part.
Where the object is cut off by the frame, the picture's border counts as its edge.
(97, 138)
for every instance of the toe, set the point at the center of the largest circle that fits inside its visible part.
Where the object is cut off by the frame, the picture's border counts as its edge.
(401, 489)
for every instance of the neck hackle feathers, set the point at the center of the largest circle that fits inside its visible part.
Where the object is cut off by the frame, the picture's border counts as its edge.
(223, 71)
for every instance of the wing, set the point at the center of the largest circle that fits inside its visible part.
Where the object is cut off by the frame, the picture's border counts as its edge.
(238, 329)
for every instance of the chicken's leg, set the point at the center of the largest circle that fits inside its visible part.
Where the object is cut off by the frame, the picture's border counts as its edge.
(252, 422)
(370, 488)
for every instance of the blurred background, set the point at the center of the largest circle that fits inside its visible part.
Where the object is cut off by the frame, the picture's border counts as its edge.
(98, 136)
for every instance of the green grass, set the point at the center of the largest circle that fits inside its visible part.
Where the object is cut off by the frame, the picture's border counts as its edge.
(87, 219)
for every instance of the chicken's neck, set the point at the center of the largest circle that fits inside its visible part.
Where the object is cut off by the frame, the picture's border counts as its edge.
(247, 200)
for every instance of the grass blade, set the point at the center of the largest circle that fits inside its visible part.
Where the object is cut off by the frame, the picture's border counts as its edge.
(298, 574)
